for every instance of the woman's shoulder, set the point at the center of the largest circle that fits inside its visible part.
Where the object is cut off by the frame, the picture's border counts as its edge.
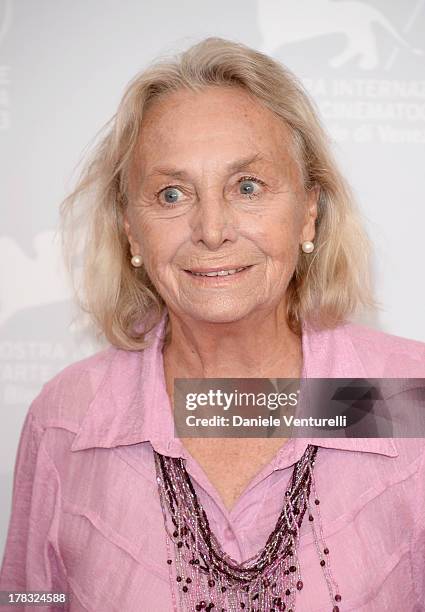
(64, 399)
(395, 355)
(355, 350)
(368, 337)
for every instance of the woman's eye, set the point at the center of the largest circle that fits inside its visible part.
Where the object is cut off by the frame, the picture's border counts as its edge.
(170, 195)
(250, 186)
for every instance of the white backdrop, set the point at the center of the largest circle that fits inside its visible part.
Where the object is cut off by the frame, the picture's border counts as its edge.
(63, 69)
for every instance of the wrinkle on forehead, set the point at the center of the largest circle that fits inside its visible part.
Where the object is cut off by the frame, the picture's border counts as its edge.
(267, 134)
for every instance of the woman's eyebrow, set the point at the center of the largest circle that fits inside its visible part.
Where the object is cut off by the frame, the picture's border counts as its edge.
(239, 164)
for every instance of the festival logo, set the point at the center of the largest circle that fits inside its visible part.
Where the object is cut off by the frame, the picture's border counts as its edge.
(283, 21)
(30, 282)
(39, 332)
(360, 61)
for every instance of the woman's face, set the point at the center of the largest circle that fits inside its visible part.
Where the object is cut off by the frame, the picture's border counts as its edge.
(214, 186)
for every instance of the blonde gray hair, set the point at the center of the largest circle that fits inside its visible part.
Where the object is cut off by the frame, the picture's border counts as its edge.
(327, 287)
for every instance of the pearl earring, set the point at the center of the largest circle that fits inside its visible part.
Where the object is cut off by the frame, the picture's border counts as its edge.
(307, 246)
(136, 261)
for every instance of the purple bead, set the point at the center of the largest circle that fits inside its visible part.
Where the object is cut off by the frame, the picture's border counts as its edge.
(317, 502)
(179, 578)
(169, 561)
(288, 592)
(188, 580)
(211, 583)
(335, 609)
(292, 568)
(300, 585)
(179, 544)
(326, 551)
(337, 597)
(185, 589)
(310, 518)
(223, 589)
(322, 562)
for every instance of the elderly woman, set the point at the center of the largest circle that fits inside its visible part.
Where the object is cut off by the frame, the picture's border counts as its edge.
(221, 242)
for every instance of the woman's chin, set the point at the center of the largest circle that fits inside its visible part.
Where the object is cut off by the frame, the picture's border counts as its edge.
(209, 313)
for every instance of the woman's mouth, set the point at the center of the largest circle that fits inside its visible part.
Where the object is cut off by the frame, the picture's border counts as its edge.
(217, 273)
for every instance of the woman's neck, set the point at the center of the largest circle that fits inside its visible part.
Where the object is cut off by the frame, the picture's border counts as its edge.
(262, 346)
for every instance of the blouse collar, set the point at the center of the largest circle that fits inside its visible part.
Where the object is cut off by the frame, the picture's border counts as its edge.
(131, 404)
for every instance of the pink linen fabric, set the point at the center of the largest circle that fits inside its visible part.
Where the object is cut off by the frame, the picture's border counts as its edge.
(86, 517)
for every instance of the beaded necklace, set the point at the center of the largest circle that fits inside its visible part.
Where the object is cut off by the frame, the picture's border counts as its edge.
(206, 578)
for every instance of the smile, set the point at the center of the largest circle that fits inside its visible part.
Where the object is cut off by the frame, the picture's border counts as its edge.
(217, 273)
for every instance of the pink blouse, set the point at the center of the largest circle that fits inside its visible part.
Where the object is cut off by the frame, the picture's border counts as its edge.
(86, 517)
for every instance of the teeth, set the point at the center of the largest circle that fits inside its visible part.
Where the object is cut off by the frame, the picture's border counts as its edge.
(218, 272)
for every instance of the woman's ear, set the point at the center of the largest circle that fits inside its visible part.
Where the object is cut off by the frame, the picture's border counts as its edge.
(311, 203)
(134, 245)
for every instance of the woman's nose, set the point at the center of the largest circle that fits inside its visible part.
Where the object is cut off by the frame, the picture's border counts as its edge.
(213, 222)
